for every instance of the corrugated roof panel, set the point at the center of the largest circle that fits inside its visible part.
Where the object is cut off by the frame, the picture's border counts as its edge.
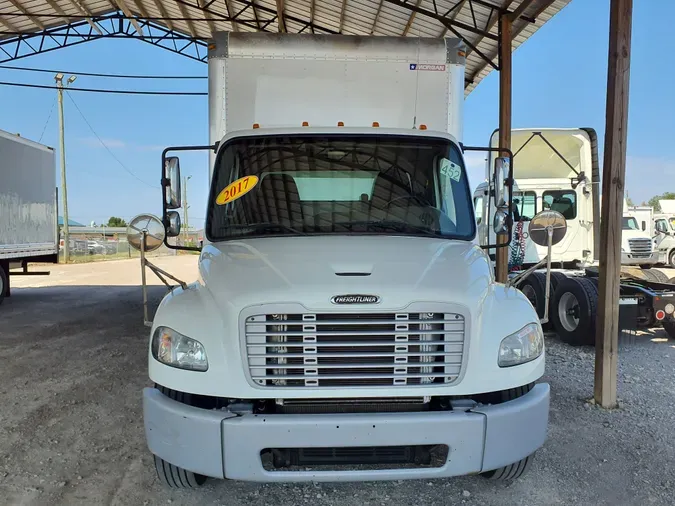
(359, 18)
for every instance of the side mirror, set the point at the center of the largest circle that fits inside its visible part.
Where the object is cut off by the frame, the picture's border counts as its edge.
(172, 224)
(172, 189)
(501, 172)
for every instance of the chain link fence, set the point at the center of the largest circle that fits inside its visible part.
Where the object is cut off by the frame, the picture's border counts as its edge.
(93, 244)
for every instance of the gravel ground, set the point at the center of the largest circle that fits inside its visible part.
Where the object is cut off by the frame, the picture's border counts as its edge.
(73, 355)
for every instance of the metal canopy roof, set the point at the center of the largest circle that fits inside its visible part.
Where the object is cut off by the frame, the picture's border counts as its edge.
(30, 27)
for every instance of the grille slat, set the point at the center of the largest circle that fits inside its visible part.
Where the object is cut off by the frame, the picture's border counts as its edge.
(361, 349)
(640, 247)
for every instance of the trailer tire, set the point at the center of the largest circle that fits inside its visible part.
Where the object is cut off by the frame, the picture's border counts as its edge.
(534, 288)
(669, 327)
(175, 477)
(660, 276)
(4, 283)
(575, 304)
(510, 472)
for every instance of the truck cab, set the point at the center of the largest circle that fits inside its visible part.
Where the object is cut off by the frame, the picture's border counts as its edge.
(345, 324)
(557, 169)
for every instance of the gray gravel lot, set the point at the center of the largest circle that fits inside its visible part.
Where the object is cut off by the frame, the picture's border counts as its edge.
(73, 363)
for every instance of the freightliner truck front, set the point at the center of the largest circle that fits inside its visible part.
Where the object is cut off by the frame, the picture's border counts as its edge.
(345, 325)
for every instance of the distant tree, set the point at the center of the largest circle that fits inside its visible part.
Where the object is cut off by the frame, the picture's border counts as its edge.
(629, 201)
(654, 201)
(114, 221)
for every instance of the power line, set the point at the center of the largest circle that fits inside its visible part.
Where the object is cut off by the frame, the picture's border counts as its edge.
(93, 74)
(104, 144)
(49, 116)
(95, 90)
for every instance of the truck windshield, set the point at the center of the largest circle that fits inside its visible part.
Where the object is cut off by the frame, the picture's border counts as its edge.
(630, 223)
(305, 185)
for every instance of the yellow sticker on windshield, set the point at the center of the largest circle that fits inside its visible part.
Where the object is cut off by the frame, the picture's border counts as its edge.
(236, 190)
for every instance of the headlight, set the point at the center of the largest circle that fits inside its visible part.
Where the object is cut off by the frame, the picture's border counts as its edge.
(523, 346)
(174, 349)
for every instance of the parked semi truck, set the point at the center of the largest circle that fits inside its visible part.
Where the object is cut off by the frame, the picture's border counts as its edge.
(28, 208)
(558, 169)
(663, 231)
(345, 325)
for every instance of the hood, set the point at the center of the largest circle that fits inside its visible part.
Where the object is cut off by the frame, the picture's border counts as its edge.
(633, 234)
(311, 270)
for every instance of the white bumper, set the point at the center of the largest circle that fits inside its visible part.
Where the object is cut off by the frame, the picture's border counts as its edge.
(220, 444)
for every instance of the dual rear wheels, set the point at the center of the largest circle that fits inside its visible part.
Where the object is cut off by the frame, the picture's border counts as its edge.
(573, 304)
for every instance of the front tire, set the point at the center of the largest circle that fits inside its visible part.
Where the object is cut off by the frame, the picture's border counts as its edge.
(671, 259)
(510, 472)
(175, 477)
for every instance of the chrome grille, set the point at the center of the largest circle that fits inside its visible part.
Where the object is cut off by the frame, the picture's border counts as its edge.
(363, 349)
(640, 248)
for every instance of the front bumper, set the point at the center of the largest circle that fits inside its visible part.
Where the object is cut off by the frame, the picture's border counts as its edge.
(221, 444)
(630, 259)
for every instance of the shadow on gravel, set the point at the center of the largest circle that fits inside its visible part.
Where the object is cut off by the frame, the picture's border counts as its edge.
(73, 362)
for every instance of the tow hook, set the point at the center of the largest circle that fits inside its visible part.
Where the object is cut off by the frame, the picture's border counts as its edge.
(463, 405)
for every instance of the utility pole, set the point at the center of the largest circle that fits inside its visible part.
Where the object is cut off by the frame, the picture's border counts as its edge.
(62, 147)
(186, 235)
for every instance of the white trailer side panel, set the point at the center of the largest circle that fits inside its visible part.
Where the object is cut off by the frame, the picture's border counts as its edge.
(27, 198)
(283, 82)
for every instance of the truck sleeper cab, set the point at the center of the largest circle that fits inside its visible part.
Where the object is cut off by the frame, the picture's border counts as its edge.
(345, 324)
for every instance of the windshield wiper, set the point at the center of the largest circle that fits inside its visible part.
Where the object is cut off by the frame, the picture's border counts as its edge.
(264, 227)
(398, 226)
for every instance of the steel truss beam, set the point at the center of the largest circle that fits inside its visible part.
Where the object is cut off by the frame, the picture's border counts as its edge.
(111, 26)
(118, 25)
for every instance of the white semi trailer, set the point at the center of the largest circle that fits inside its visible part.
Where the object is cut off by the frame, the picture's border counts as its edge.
(28, 208)
(345, 325)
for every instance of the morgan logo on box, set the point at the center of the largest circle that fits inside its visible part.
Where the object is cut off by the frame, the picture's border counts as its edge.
(427, 66)
(355, 299)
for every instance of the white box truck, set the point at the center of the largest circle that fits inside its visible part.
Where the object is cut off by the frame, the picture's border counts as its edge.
(346, 325)
(28, 208)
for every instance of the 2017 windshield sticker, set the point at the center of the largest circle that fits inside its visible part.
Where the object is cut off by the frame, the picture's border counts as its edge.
(236, 190)
(451, 170)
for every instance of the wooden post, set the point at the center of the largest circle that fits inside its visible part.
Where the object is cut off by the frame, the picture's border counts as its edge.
(614, 171)
(502, 255)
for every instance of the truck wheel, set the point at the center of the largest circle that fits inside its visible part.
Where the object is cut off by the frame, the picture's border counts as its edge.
(575, 307)
(534, 288)
(510, 472)
(4, 283)
(176, 477)
(671, 259)
(556, 277)
(660, 276)
(669, 327)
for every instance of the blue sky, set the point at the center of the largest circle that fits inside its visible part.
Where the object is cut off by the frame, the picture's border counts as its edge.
(559, 80)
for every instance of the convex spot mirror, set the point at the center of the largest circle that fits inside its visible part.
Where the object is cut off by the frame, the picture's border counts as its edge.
(546, 222)
(146, 232)
(501, 173)
(172, 193)
(172, 224)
